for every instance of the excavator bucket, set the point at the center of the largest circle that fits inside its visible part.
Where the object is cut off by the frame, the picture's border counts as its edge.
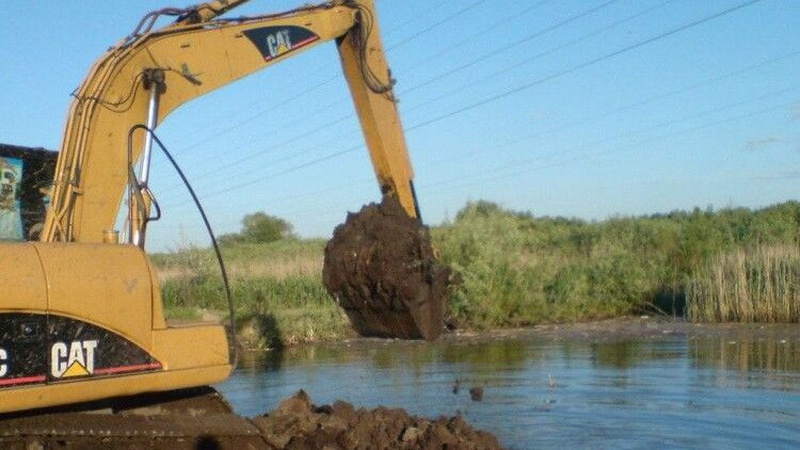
(381, 269)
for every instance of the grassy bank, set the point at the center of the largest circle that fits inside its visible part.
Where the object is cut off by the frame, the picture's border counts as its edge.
(277, 290)
(515, 269)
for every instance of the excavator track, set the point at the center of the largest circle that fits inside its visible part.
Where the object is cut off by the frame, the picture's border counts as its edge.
(186, 419)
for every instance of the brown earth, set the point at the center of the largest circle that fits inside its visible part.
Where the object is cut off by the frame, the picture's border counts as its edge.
(381, 268)
(205, 422)
(298, 424)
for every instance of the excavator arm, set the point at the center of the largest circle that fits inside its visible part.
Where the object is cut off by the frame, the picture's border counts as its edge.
(152, 72)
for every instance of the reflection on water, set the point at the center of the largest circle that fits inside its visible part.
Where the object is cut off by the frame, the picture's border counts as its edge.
(747, 354)
(711, 392)
(771, 363)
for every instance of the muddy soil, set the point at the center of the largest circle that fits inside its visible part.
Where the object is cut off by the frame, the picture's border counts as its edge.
(297, 424)
(381, 268)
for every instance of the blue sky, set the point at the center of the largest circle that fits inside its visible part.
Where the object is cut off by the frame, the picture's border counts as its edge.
(587, 109)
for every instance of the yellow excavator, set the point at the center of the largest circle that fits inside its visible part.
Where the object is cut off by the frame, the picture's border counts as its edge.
(81, 315)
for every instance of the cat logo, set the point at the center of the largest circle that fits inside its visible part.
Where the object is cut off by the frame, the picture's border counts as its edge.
(278, 43)
(273, 42)
(72, 359)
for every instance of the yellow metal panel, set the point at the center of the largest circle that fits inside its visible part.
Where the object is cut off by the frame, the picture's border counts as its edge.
(196, 346)
(108, 285)
(22, 278)
(158, 318)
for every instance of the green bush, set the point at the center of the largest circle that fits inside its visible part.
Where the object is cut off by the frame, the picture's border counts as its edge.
(259, 228)
(516, 269)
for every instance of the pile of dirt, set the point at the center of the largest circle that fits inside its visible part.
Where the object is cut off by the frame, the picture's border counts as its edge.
(380, 266)
(297, 424)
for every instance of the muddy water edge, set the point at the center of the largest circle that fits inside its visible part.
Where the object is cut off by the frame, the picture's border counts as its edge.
(632, 383)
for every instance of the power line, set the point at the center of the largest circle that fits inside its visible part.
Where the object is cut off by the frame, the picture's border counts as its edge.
(475, 34)
(439, 23)
(616, 111)
(530, 59)
(259, 114)
(584, 65)
(436, 24)
(632, 146)
(596, 143)
(280, 173)
(507, 93)
(281, 144)
(658, 138)
(520, 166)
(415, 16)
(526, 170)
(482, 59)
(340, 119)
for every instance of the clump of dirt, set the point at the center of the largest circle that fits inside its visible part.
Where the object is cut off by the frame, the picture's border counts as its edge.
(381, 268)
(298, 424)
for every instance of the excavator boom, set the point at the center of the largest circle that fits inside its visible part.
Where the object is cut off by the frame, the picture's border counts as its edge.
(147, 76)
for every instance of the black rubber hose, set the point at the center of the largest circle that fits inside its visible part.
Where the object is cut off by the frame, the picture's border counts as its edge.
(234, 360)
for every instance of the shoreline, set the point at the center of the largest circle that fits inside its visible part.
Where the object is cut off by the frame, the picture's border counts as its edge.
(608, 330)
(640, 327)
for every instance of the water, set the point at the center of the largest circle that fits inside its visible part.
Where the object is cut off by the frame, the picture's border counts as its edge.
(678, 392)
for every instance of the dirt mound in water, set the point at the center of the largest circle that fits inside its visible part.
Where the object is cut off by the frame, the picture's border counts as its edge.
(298, 424)
(380, 267)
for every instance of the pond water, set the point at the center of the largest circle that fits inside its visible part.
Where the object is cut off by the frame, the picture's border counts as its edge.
(707, 392)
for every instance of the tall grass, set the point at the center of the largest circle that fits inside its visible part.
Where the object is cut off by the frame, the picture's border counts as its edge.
(513, 269)
(748, 285)
(277, 259)
(277, 291)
